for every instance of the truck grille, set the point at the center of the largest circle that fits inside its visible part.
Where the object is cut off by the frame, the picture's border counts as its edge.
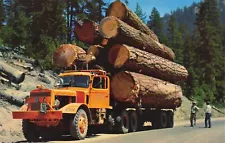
(35, 106)
(36, 94)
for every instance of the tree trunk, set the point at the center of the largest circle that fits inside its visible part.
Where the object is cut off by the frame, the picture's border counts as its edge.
(87, 31)
(67, 54)
(10, 73)
(68, 21)
(113, 28)
(134, 88)
(146, 63)
(121, 11)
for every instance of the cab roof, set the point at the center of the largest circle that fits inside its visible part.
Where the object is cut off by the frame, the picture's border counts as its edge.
(82, 72)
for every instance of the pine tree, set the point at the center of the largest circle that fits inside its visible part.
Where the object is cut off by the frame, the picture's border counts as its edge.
(47, 29)
(175, 39)
(95, 9)
(155, 23)
(140, 13)
(209, 64)
(2, 16)
(15, 33)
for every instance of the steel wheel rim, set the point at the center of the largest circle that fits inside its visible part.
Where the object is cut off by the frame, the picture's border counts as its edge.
(82, 124)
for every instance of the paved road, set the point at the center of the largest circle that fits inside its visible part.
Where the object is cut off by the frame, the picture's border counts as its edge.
(181, 133)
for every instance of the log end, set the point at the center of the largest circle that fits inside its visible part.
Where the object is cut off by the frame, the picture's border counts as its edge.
(86, 32)
(20, 78)
(118, 55)
(64, 55)
(122, 85)
(93, 50)
(117, 9)
(109, 27)
(169, 52)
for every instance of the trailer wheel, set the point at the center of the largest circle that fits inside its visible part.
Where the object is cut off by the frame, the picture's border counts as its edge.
(133, 121)
(29, 131)
(79, 125)
(123, 125)
(163, 119)
(170, 116)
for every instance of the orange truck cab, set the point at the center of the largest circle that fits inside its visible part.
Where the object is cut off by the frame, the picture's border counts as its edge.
(80, 100)
(76, 93)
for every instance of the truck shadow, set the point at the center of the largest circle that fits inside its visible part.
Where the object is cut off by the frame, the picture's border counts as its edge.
(95, 132)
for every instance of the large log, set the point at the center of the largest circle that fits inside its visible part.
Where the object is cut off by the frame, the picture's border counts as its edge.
(113, 28)
(121, 11)
(134, 88)
(121, 55)
(12, 74)
(87, 31)
(67, 54)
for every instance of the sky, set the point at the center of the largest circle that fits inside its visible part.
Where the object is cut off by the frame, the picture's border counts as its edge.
(163, 6)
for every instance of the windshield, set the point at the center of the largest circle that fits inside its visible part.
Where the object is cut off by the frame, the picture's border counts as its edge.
(72, 81)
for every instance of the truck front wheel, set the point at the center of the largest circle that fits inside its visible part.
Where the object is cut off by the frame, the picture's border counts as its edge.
(29, 131)
(79, 125)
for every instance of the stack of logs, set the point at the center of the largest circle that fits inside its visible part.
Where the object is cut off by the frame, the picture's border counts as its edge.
(142, 69)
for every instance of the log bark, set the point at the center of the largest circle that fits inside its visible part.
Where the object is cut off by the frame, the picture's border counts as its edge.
(134, 88)
(121, 11)
(113, 28)
(121, 55)
(67, 54)
(12, 74)
(87, 31)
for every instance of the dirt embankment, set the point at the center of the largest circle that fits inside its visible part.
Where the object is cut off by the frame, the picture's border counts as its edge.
(183, 112)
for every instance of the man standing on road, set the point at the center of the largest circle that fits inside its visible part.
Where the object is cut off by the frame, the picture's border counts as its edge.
(208, 114)
(194, 110)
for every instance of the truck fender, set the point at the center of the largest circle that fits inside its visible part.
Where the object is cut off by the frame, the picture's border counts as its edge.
(72, 108)
(23, 108)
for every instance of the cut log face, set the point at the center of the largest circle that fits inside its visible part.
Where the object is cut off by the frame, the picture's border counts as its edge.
(122, 12)
(94, 50)
(87, 32)
(113, 28)
(66, 54)
(134, 88)
(146, 63)
(10, 73)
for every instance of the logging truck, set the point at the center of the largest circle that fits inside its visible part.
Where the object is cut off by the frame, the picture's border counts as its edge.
(80, 100)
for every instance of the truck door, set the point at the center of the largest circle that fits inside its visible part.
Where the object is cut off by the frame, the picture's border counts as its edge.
(99, 94)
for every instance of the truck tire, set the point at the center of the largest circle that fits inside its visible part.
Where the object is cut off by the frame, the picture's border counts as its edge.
(79, 125)
(160, 120)
(123, 125)
(29, 131)
(141, 122)
(133, 121)
(170, 116)
(163, 119)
